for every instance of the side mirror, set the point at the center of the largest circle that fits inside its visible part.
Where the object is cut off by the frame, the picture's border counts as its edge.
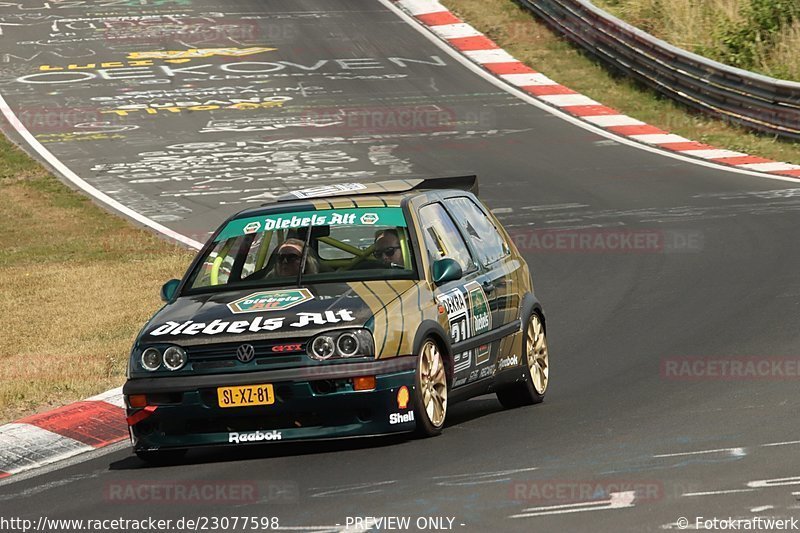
(445, 270)
(168, 289)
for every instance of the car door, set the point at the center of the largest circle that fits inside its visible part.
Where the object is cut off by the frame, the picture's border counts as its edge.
(444, 240)
(494, 258)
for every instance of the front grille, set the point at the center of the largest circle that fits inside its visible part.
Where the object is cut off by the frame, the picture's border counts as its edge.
(214, 353)
(249, 423)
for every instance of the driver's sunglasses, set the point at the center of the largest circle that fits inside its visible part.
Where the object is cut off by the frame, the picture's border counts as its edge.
(388, 251)
(288, 258)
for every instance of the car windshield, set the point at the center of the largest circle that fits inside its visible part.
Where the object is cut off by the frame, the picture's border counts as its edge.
(351, 244)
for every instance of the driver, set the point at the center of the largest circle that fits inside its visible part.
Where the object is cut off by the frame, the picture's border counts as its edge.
(287, 259)
(387, 248)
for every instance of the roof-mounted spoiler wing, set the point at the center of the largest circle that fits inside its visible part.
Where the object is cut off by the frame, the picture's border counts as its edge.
(464, 183)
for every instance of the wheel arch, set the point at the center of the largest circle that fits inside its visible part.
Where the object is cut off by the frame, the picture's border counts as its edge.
(530, 304)
(432, 329)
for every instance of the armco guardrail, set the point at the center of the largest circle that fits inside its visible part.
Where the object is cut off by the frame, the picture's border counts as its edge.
(734, 95)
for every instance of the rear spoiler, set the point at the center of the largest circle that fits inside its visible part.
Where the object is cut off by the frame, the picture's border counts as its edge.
(463, 183)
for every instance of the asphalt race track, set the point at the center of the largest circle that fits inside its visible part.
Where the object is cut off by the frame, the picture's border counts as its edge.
(325, 91)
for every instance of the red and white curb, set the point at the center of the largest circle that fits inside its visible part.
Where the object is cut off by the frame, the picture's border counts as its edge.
(56, 435)
(484, 52)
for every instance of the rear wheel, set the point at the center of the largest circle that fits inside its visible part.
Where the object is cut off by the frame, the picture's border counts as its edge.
(161, 457)
(430, 402)
(537, 368)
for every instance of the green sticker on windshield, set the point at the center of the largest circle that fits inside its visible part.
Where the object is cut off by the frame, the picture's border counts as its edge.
(376, 216)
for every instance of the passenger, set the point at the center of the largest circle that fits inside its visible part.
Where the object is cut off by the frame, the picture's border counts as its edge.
(287, 258)
(387, 248)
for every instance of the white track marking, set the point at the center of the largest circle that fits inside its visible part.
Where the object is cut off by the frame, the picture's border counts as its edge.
(738, 452)
(762, 508)
(360, 488)
(553, 207)
(787, 443)
(618, 500)
(44, 487)
(716, 492)
(479, 478)
(79, 182)
(413, 5)
(779, 482)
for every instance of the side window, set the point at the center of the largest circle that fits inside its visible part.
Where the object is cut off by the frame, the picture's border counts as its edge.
(260, 251)
(442, 238)
(219, 264)
(486, 240)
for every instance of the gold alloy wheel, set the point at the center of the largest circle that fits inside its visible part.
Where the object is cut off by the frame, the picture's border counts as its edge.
(538, 360)
(433, 383)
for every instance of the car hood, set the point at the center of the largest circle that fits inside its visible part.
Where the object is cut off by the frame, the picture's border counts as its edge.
(251, 314)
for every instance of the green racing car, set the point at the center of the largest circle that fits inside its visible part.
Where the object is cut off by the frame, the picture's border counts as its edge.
(339, 311)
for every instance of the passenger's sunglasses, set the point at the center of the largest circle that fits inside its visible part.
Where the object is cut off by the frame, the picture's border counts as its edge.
(388, 251)
(288, 258)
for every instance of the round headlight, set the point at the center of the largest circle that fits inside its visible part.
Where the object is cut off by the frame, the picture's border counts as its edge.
(347, 344)
(174, 358)
(151, 359)
(322, 347)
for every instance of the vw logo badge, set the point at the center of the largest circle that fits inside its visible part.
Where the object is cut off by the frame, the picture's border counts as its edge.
(245, 353)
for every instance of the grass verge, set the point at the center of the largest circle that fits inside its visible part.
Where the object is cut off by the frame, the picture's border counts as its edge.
(77, 284)
(528, 39)
(757, 35)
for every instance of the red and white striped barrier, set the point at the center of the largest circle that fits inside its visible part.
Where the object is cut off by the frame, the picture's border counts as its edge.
(483, 51)
(50, 437)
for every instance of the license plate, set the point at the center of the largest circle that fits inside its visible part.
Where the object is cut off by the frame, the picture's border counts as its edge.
(245, 396)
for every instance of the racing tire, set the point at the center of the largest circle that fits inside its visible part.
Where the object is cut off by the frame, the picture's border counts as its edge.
(536, 372)
(430, 379)
(161, 457)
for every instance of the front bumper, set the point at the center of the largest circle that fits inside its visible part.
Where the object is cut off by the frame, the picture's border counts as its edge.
(310, 403)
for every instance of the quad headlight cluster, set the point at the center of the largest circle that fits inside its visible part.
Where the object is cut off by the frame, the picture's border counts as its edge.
(170, 357)
(342, 344)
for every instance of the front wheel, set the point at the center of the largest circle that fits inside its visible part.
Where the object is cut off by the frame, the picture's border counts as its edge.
(536, 374)
(430, 401)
